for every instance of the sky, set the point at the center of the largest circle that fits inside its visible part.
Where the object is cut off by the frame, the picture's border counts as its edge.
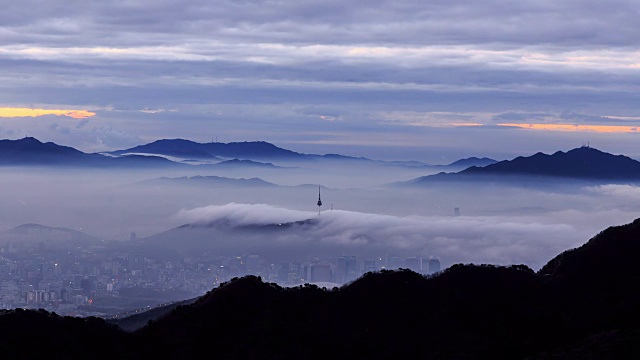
(394, 80)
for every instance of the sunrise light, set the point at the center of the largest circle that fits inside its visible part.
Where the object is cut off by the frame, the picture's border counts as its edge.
(575, 127)
(9, 112)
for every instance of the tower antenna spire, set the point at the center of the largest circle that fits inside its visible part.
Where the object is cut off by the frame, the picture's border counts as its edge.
(319, 201)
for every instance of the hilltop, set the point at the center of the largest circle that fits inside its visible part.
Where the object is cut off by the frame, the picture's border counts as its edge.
(583, 163)
(30, 151)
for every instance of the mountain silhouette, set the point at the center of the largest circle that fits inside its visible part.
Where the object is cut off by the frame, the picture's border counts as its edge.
(259, 150)
(264, 151)
(472, 161)
(584, 163)
(29, 151)
(226, 236)
(457, 165)
(582, 304)
(238, 163)
(50, 237)
(217, 181)
(246, 150)
(584, 300)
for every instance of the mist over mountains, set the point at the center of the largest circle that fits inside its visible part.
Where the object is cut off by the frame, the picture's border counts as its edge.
(584, 163)
(179, 239)
(155, 201)
(31, 152)
(166, 152)
(26, 236)
(258, 150)
(205, 211)
(209, 181)
(396, 180)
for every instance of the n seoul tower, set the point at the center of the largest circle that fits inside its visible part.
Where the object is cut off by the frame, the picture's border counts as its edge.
(319, 201)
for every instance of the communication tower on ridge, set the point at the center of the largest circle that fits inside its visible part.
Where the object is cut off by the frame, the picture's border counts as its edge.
(319, 201)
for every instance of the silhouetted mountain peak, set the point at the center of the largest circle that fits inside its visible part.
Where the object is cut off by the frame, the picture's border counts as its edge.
(25, 228)
(232, 150)
(174, 142)
(610, 253)
(31, 144)
(29, 139)
(226, 223)
(248, 290)
(211, 181)
(56, 236)
(391, 280)
(472, 161)
(30, 151)
(583, 163)
(241, 162)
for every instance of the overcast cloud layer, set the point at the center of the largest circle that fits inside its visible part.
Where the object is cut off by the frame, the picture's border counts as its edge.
(321, 76)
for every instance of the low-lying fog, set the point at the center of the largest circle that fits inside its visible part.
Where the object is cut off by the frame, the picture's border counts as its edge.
(497, 224)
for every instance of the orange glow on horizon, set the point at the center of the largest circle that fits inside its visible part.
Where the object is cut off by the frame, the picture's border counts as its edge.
(572, 127)
(27, 112)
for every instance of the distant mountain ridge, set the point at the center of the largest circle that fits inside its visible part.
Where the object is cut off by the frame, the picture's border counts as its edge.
(583, 163)
(30, 151)
(210, 181)
(454, 166)
(264, 151)
(226, 236)
(31, 227)
(472, 161)
(57, 237)
(181, 153)
(234, 163)
(214, 150)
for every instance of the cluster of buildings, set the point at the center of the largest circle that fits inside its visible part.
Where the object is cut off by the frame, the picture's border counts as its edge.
(345, 269)
(48, 269)
(104, 283)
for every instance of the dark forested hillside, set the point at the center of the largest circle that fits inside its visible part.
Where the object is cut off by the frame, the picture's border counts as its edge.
(583, 304)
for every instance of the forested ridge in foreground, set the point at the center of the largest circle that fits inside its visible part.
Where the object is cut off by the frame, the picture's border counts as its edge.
(583, 304)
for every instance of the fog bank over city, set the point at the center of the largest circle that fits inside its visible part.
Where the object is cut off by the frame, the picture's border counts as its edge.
(495, 223)
(109, 233)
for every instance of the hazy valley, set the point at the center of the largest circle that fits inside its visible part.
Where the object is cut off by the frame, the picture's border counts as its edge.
(205, 209)
(319, 180)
